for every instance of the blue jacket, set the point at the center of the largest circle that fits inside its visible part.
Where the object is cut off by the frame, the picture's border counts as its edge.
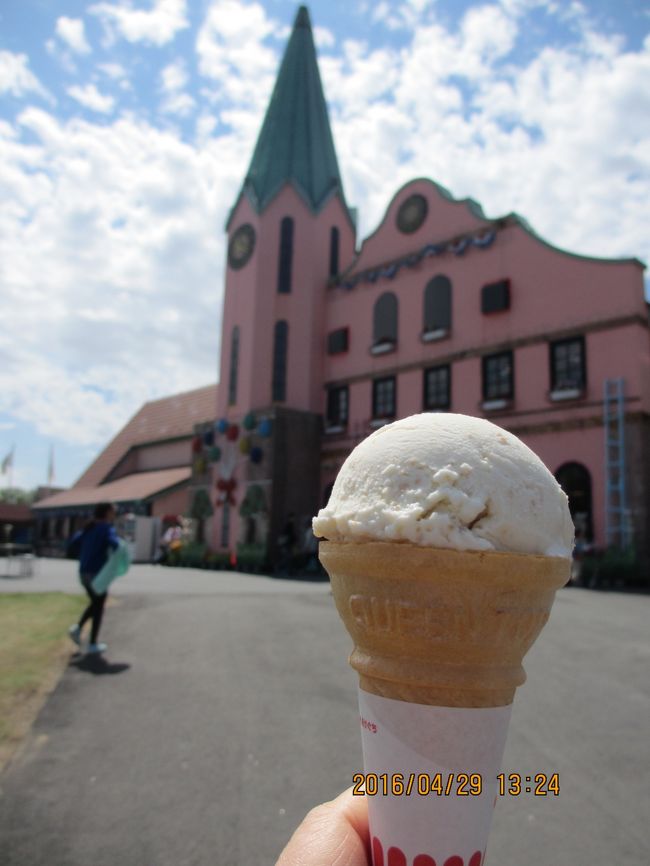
(95, 543)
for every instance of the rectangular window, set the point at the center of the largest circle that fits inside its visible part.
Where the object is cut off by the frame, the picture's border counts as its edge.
(337, 406)
(334, 251)
(498, 377)
(285, 258)
(234, 364)
(495, 297)
(437, 388)
(568, 368)
(383, 398)
(280, 345)
(337, 341)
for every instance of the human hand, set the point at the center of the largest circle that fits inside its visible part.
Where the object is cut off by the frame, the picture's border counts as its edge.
(334, 834)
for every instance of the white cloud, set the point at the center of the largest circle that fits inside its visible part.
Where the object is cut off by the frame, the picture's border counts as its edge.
(157, 26)
(178, 103)
(231, 51)
(16, 78)
(115, 71)
(91, 98)
(173, 78)
(71, 31)
(324, 38)
(122, 302)
(487, 34)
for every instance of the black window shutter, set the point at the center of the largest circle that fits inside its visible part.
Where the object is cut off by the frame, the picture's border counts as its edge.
(495, 297)
(337, 341)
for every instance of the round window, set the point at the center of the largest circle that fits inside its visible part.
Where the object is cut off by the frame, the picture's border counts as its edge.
(412, 213)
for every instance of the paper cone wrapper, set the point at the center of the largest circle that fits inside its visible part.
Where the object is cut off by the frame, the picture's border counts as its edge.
(439, 637)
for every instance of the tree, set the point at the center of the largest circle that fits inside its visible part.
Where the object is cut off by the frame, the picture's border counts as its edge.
(200, 510)
(17, 496)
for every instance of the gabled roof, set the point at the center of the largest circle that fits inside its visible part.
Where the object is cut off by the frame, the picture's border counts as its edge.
(159, 420)
(295, 144)
(131, 488)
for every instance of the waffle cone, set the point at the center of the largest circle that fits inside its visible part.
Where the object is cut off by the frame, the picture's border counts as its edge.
(441, 627)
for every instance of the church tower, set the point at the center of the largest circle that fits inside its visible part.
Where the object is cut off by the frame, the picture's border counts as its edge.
(289, 232)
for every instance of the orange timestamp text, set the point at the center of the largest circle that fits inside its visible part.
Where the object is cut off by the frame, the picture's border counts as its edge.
(452, 784)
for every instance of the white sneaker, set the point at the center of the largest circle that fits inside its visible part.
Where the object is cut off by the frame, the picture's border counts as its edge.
(75, 634)
(96, 648)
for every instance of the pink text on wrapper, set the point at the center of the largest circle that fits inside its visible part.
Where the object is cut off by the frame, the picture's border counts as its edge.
(369, 726)
(396, 857)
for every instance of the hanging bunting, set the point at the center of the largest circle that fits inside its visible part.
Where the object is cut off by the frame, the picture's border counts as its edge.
(390, 271)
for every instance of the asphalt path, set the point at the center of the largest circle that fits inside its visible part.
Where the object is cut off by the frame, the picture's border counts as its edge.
(225, 709)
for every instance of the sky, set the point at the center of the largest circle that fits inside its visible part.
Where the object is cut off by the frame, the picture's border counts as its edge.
(127, 126)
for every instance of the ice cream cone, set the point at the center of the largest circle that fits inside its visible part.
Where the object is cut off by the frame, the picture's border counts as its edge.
(439, 637)
(441, 627)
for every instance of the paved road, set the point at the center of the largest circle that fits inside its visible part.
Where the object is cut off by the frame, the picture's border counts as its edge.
(226, 710)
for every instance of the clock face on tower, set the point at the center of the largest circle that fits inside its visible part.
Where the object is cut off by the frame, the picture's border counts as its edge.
(241, 246)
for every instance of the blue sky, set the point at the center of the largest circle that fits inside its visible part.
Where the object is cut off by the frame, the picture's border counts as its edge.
(126, 129)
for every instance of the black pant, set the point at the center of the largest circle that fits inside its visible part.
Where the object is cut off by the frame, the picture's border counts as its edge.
(95, 609)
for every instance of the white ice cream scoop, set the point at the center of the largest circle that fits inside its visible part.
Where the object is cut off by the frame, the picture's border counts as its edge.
(451, 481)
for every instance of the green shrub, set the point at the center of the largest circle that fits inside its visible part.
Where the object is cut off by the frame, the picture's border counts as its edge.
(251, 557)
(611, 566)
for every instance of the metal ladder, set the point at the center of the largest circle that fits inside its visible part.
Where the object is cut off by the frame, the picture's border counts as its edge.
(617, 524)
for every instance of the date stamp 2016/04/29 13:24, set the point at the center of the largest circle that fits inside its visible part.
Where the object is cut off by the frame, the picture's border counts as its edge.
(453, 784)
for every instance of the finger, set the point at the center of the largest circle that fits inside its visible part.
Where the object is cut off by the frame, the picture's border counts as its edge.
(334, 834)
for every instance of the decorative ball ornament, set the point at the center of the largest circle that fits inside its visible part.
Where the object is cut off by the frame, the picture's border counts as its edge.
(197, 445)
(208, 438)
(199, 466)
(239, 439)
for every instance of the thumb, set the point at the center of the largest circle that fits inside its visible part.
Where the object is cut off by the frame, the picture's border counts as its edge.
(334, 834)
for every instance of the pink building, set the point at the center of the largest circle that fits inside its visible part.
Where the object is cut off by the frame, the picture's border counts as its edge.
(145, 470)
(440, 309)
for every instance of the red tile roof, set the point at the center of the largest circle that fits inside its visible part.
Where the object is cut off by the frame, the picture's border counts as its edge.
(140, 485)
(167, 418)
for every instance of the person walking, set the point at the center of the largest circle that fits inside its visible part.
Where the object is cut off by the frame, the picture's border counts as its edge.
(94, 544)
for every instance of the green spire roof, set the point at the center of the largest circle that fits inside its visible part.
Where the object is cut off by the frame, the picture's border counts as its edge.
(295, 144)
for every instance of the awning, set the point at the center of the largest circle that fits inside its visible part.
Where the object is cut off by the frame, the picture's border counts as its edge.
(131, 488)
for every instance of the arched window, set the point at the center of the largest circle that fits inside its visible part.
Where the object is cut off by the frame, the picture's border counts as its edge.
(575, 480)
(286, 256)
(437, 307)
(280, 346)
(334, 251)
(234, 364)
(384, 325)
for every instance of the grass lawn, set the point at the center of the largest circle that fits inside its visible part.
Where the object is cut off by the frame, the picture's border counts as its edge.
(34, 647)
